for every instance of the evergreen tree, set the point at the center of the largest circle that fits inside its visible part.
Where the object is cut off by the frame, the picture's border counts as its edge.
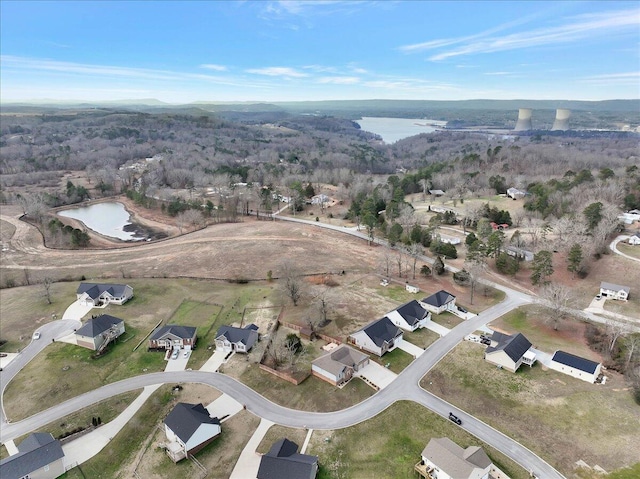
(438, 266)
(541, 267)
(574, 258)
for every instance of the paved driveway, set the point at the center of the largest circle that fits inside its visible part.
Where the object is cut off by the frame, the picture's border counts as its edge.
(214, 362)
(76, 310)
(436, 328)
(249, 460)
(178, 364)
(410, 348)
(376, 374)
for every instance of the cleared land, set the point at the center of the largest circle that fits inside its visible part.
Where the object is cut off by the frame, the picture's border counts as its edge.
(389, 445)
(631, 250)
(598, 423)
(276, 433)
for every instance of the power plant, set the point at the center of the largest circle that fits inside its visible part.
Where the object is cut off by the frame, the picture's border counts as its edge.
(562, 120)
(524, 120)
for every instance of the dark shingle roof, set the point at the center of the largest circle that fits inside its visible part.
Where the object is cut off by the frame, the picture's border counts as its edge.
(514, 346)
(35, 452)
(412, 312)
(184, 332)
(381, 331)
(94, 290)
(575, 362)
(439, 299)
(98, 325)
(247, 336)
(185, 419)
(283, 462)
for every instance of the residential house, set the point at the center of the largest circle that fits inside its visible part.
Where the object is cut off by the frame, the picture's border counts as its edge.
(495, 226)
(630, 216)
(509, 351)
(634, 239)
(439, 302)
(284, 462)
(320, 199)
(450, 239)
(614, 291)
(39, 456)
(101, 294)
(173, 336)
(444, 459)
(410, 316)
(575, 366)
(519, 253)
(189, 428)
(97, 332)
(338, 366)
(240, 340)
(411, 289)
(436, 192)
(516, 194)
(377, 337)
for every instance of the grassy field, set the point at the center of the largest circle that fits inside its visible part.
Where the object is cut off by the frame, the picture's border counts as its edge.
(446, 319)
(423, 338)
(275, 433)
(396, 360)
(560, 418)
(631, 250)
(389, 445)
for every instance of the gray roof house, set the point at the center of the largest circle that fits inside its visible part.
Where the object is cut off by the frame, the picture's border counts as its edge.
(439, 302)
(509, 351)
(284, 462)
(173, 336)
(575, 366)
(241, 340)
(410, 316)
(189, 428)
(39, 455)
(99, 330)
(377, 337)
(451, 461)
(338, 366)
(97, 294)
(614, 291)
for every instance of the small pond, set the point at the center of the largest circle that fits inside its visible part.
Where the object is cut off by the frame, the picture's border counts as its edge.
(109, 219)
(394, 129)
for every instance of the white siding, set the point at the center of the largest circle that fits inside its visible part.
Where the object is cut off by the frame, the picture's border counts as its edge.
(203, 434)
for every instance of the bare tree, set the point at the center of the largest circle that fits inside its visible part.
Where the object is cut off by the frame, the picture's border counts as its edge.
(286, 350)
(476, 269)
(291, 281)
(632, 344)
(46, 285)
(415, 250)
(323, 302)
(615, 329)
(560, 299)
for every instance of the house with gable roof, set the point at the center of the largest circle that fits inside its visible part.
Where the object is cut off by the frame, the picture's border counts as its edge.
(189, 428)
(509, 351)
(377, 337)
(444, 459)
(410, 316)
(634, 239)
(101, 294)
(39, 456)
(575, 366)
(240, 340)
(284, 462)
(99, 331)
(338, 366)
(614, 291)
(439, 302)
(173, 336)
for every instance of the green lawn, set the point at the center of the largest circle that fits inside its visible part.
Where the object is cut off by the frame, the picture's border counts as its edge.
(395, 360)
(276, 432)
(422, 338)
(598, 423)
(446, 319)
(396, 293)
(630, 250)
(389, 445)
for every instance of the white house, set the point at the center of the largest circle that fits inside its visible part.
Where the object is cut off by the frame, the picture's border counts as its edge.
(509, 351)
(189, 428)
(240, 340)
(410, 316)
(338, 366)
(98, 331)
(516, 194)
(39, 456)
(614, 291)
(575, 366)
(634, 239)
(449, 239)
(412, 289)
(444, 459)
(97, 294)
(439, 302)
(173, 336)
(320, 199)
(519, 253)
(377, 337)
(630, 216)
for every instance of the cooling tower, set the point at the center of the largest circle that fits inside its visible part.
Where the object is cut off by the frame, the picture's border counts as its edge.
(524, 119)
(562, 120)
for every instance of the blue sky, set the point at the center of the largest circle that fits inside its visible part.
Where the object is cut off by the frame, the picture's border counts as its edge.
(180, 52)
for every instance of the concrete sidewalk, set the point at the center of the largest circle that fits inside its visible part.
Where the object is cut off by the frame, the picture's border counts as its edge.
(249, 460)
(84, 448)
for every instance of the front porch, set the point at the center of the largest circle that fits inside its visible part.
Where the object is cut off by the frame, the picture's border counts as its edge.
(424, 471)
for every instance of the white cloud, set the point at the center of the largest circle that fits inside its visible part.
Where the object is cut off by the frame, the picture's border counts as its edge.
(339, 80)
(277, 72)
(499, 73)
(628, 78)
(214, 67)
(573, 30)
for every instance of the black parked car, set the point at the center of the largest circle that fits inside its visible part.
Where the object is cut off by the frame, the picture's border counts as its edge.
(455, 418)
